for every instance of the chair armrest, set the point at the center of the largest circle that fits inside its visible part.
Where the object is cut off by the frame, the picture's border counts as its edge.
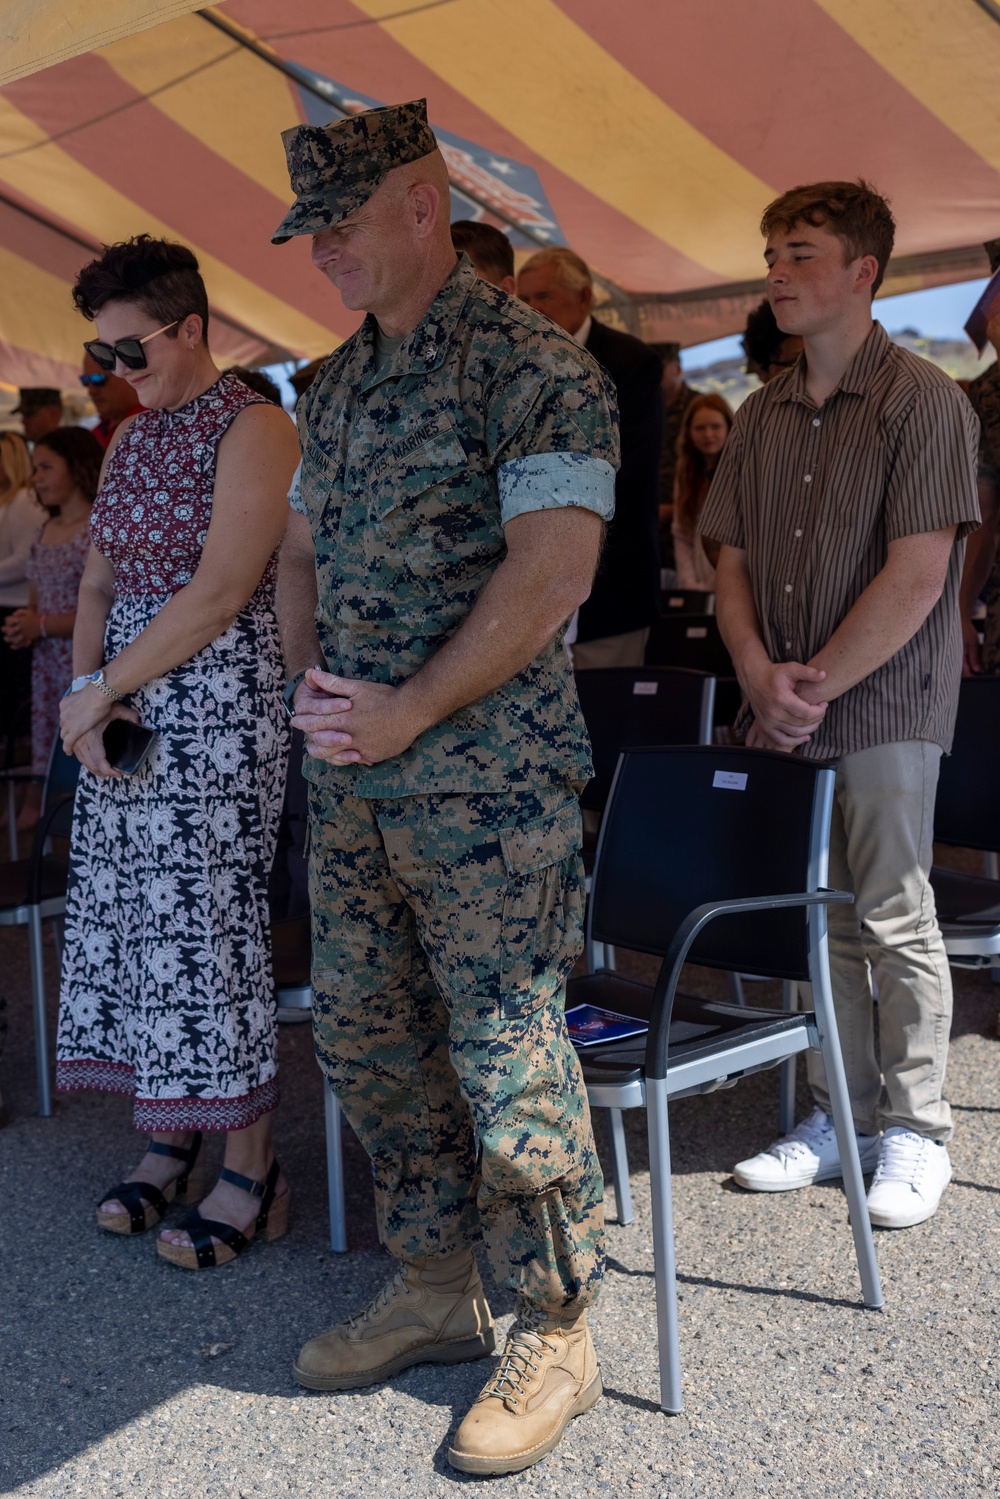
(20, 773)
(670, 969)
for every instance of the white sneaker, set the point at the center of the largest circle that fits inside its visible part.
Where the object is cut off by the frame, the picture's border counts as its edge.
(809, 1154)
(912, 1173)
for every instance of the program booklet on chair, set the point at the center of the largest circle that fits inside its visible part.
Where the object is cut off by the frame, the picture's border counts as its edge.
(590, 1026)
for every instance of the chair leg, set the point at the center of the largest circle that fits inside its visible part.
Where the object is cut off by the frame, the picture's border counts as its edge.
(664, 1259)
(735, 986)
(12, 822)
(335, 1172)
(840, 1104)
(619, 1166)
(786, 1105)
(38, 1006)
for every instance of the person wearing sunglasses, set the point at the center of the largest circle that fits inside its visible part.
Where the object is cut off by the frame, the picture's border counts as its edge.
(166, 988)
(113, 398)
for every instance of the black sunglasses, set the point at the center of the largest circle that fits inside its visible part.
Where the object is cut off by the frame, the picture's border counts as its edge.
(93, 380)
(127, 351)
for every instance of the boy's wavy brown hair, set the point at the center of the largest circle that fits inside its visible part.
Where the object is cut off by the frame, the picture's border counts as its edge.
(853, 211)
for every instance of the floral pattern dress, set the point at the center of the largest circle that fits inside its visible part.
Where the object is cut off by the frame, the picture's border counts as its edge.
(56, 573)
(166, 986)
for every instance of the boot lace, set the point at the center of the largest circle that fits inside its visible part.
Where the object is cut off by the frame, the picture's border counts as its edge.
(381, 1300)
(519, 1360)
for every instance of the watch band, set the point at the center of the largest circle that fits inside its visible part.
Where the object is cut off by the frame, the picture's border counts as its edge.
(98, 680)
(291, 688)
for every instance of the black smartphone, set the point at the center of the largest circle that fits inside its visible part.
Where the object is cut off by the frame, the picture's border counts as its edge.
(127, 745)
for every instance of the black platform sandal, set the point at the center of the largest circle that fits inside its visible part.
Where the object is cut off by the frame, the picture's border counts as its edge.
(138, 1216)
(201, 1253)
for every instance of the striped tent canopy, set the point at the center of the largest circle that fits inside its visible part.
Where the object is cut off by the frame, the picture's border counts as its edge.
(658, 129)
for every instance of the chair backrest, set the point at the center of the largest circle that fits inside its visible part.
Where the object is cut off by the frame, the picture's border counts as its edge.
(686, 826)
(967, 811)
(59, 790)
(689, 640)
(686, 601)
(640, 705)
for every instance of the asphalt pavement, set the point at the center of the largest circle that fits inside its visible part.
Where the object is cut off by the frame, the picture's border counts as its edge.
(121, 1375)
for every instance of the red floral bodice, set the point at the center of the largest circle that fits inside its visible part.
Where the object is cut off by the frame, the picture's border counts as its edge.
(151, 515)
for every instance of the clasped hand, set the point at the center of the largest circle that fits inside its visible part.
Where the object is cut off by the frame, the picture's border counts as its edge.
(22, 628)
(352, 723)
(783, 718)
(83, 717)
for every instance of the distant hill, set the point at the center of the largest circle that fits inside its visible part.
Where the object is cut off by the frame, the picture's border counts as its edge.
(954, 355)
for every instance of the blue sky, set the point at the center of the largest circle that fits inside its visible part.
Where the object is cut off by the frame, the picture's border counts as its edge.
(939, 313)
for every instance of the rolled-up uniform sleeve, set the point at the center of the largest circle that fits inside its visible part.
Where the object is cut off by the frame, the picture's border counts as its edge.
(545, 481)
(552, 429)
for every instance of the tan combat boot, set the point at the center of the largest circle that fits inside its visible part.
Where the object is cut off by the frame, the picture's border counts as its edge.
(547, 1375)
(434, 1312)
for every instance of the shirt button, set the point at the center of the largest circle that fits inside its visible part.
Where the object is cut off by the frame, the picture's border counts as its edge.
(815, 421)
(788, 645)
(798, 533)
(788, 587)
(807, 479)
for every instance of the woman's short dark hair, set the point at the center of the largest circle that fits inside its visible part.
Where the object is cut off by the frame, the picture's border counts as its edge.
(81, 453)
(159, 276)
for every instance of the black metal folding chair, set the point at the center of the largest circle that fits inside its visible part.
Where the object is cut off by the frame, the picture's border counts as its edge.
(33, 890)
(717, 857)
(967, 815)
(686, 601)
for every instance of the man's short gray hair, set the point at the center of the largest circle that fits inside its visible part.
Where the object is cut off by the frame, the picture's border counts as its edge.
(571, 271)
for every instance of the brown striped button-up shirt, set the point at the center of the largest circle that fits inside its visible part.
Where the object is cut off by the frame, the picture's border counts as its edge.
(814, 495)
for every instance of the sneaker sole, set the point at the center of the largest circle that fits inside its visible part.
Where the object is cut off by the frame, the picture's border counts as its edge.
(486, 1466)
(459, 1352)
(868, 1164)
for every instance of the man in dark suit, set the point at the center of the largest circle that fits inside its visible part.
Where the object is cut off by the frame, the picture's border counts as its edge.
(614, 623)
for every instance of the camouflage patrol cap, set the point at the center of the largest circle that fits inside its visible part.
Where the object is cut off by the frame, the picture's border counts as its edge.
(335, 168)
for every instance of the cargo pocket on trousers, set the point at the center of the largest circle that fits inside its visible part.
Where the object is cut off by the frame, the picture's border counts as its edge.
(541, 933)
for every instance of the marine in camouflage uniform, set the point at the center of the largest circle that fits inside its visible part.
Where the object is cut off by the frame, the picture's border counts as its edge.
(446, 882)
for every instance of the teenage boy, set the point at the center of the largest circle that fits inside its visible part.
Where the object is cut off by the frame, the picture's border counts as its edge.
(841, 502)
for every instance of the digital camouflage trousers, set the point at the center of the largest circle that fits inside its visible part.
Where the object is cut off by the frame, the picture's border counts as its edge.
(444, 928)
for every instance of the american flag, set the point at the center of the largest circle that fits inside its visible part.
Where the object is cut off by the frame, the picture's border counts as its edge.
(987, 308)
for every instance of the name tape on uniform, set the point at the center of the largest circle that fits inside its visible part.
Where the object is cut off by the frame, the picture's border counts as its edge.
(730, 780)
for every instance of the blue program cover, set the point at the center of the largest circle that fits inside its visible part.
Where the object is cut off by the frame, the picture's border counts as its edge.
(589, 1026)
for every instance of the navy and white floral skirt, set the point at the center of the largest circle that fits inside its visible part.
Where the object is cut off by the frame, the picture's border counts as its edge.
(166, 981)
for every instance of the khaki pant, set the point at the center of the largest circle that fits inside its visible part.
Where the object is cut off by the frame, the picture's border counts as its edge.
(444, 929)
(881, 848)
(611, 650)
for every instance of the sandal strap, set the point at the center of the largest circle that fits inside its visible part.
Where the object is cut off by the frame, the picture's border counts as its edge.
(177, 1152)
(201, 1232)
(130, 1195)
(264, 1190)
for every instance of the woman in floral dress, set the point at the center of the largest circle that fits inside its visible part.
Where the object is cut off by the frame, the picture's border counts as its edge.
(166, 991)
(66, 468)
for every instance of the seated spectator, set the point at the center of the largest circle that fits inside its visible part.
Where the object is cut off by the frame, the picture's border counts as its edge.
(768, 350)
(40, 409)
(256, 380)
(20, 519)
(489, 249)
(66, 470)
(114, 398)
(613, 625)
(705, 430)
(677, 397)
